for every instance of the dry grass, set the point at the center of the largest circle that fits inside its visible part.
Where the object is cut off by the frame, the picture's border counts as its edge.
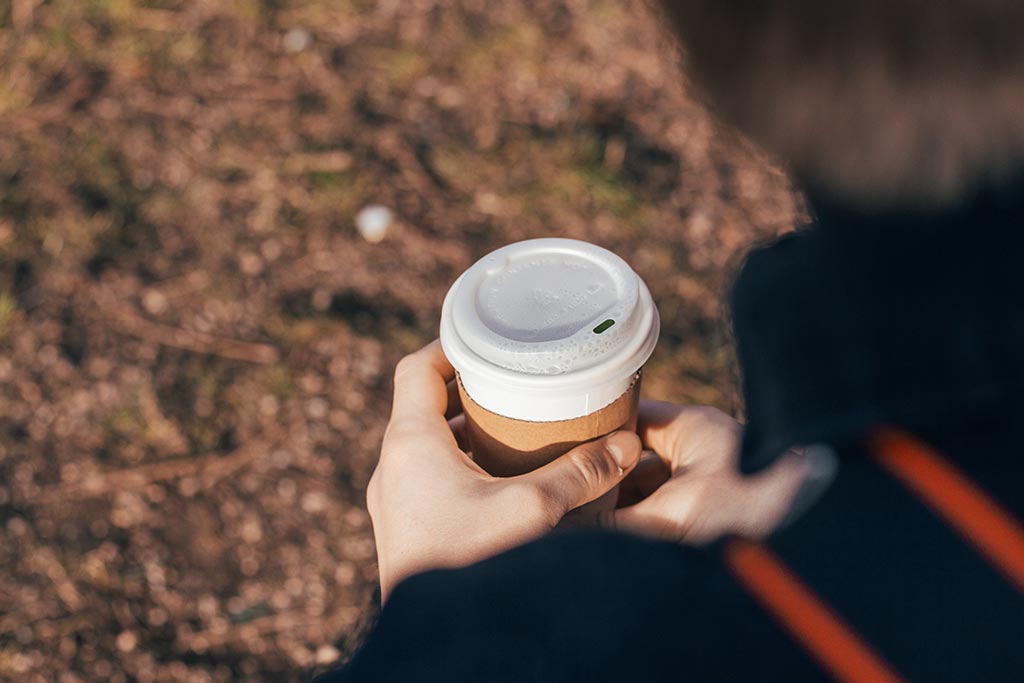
(195, 342)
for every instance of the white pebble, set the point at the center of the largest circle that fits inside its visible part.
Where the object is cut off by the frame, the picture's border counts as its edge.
(297, 39)
(327, 654)
(154, 302)
(373, 222)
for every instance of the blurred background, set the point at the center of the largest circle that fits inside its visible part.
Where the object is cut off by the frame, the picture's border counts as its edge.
(222, 222)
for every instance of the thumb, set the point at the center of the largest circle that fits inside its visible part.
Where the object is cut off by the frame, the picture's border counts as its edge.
(588, 471)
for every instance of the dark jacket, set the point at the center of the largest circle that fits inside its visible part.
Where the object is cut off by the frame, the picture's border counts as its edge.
(897, 338)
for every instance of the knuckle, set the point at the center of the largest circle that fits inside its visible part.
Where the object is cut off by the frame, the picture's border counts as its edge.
(548, 507)
(715, 417)
(715, 424)
(403, 433)
(531, 500)
(589, 467)
(536, 496)
(404, 365)
(399, 436)
(373, 494)
(688, 526)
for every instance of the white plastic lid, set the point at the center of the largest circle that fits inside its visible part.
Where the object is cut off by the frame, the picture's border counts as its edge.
(548, 329)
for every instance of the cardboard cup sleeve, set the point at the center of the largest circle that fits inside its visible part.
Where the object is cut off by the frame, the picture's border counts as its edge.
(506, 447)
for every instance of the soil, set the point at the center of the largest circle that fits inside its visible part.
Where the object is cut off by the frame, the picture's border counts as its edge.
(196, 342)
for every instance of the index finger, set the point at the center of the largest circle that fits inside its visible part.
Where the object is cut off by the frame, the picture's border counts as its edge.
(421, 388)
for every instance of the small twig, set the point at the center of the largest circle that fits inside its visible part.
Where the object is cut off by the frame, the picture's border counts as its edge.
(335, 161)
(46, 563)
(194, 340)
(211, 468)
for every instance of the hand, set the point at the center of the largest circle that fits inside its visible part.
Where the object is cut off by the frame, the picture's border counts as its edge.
(690, 488)
(432, 506)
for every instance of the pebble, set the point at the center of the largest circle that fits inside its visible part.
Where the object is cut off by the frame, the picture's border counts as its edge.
(297, 39)
(126, 641)
(154, 302)
(373, 222)
(327, 654)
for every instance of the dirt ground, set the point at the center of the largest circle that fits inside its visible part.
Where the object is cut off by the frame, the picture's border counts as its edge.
(196, 343)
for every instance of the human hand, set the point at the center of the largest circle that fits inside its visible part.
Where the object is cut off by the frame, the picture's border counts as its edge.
(690, 488)
(432, 506)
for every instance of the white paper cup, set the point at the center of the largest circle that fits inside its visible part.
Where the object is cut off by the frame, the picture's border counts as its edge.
(548, 337)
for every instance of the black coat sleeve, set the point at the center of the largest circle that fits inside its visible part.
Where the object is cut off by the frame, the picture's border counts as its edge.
(575, 607)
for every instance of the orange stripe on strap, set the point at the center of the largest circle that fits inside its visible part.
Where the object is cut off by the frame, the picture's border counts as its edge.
(964, 506)
(822, 633)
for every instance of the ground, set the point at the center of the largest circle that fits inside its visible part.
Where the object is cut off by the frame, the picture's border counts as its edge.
(196, 343)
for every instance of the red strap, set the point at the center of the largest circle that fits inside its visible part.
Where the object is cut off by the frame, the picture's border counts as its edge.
(821, 632)
(956, 499)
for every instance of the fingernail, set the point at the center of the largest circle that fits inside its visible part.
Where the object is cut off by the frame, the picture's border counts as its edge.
(822, 463)
(624, 448)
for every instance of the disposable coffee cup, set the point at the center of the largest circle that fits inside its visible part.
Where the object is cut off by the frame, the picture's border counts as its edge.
(548, 338)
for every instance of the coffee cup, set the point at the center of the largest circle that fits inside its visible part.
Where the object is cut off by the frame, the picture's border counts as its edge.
(548, 338)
